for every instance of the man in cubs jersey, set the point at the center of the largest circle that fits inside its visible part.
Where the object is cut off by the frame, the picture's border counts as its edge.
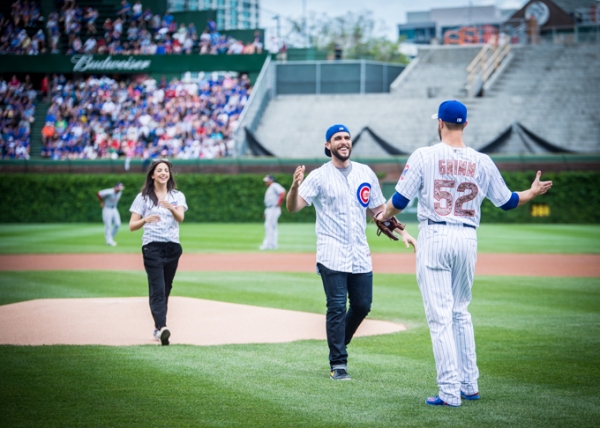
(110, 214)
(273, 199)
(451, 181)
(341, 192)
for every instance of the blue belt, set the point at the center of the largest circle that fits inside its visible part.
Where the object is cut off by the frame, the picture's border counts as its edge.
(444, 223)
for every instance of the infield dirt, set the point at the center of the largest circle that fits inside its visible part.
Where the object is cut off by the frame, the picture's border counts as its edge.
(127, 321)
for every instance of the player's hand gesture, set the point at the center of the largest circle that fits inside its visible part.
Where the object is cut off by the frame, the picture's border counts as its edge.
(166, 205)
(298, 176)
(540, 187)
(152, 218)
(408, 239)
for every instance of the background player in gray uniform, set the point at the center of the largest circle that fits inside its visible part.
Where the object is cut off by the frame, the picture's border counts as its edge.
(159, 209)
(273, 199)
(110, 214)
(451, 181)
(341, 192)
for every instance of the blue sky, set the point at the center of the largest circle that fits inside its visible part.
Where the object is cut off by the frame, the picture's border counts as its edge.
(389, 12)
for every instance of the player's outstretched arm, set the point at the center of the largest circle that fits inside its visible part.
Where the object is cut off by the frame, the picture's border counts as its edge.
(295, 202)
(537, 188)
(389, 211)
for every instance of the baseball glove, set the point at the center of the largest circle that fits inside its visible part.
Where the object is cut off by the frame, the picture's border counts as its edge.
(387, 226)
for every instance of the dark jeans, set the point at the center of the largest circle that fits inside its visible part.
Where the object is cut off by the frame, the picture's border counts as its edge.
(160, 261)
(341, 325)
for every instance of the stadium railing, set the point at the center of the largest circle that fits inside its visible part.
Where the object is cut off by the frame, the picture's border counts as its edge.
(262, 93)
(390, 164)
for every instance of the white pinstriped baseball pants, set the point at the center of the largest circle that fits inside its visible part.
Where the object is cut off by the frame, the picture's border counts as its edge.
(112, 222)
(271, 217)
(446, 258)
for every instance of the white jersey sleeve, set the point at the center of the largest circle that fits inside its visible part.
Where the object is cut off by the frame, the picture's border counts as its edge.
(105, 192)
(376, 197)
(411, 179)
(311, 186)
(497, 191)
(139, 205)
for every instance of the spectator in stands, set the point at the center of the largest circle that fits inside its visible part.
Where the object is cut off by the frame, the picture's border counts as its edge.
(108, 28)
(136, 12)
(76, 46)
(338, 51)
(125, 10)
(90, 16)
(258, 44)
(89, 46)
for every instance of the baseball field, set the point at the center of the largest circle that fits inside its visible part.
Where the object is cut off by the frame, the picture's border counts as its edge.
(536, 312)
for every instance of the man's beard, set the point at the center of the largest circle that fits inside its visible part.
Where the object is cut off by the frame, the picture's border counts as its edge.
(335, 153)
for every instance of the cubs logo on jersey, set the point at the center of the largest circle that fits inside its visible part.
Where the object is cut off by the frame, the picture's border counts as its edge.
(406, 168)
(364, 194)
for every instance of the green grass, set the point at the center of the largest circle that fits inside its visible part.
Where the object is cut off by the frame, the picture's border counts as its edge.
(538, 343)
(222, 238)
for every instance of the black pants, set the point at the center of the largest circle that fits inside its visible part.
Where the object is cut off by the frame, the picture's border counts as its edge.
(341, 325)
(160, 261)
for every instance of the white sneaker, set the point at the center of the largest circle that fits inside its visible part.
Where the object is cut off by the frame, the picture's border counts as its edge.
(112, 244)
(156, 335)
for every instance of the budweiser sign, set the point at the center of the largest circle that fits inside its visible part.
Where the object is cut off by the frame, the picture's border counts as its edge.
(88, 63)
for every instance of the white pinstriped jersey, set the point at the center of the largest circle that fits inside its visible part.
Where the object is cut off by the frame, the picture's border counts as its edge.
(451, 184)
(165, 230)
(110, 197)
(341, 205)
(272, 194)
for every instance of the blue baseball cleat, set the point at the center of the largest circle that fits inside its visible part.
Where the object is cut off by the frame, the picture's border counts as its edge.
(437, 401)
(469, 397)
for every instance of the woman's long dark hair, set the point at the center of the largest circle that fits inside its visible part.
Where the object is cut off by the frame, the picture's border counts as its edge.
(148, 189)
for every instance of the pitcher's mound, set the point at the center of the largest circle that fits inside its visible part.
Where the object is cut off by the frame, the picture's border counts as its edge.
(127, 321)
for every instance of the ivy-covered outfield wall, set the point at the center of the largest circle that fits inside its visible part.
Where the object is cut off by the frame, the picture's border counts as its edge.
(60, 198)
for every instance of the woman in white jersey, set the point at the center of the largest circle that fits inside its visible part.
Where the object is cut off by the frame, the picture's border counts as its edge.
(159, 209)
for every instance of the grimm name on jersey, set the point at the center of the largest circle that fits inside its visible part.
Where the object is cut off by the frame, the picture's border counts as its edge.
(364, 194)
(457, 167)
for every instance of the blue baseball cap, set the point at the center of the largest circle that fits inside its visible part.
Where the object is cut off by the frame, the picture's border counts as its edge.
(452, 111)
(268, 178)
(334, 129)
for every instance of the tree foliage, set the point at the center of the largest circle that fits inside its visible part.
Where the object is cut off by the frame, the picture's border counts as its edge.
(357, 34)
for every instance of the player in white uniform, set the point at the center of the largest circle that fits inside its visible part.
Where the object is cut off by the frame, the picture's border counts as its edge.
(450, 181)
(341, 192)
(110, 214)
(273, 199)
(159, 209)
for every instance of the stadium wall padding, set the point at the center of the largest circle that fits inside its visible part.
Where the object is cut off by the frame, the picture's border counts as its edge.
(63, 198)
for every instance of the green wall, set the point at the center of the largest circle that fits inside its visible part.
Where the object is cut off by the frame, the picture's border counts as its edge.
(63, 198)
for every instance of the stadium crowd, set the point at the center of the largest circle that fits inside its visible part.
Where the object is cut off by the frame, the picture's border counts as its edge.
(14, 37)
(103, 118)
(17, 111)
(133, 31)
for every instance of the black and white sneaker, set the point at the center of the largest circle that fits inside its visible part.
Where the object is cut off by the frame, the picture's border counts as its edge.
(339, 374)
(164, 335)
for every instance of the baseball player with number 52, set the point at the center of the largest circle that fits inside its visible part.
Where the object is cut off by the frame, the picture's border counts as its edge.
(451, 181)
